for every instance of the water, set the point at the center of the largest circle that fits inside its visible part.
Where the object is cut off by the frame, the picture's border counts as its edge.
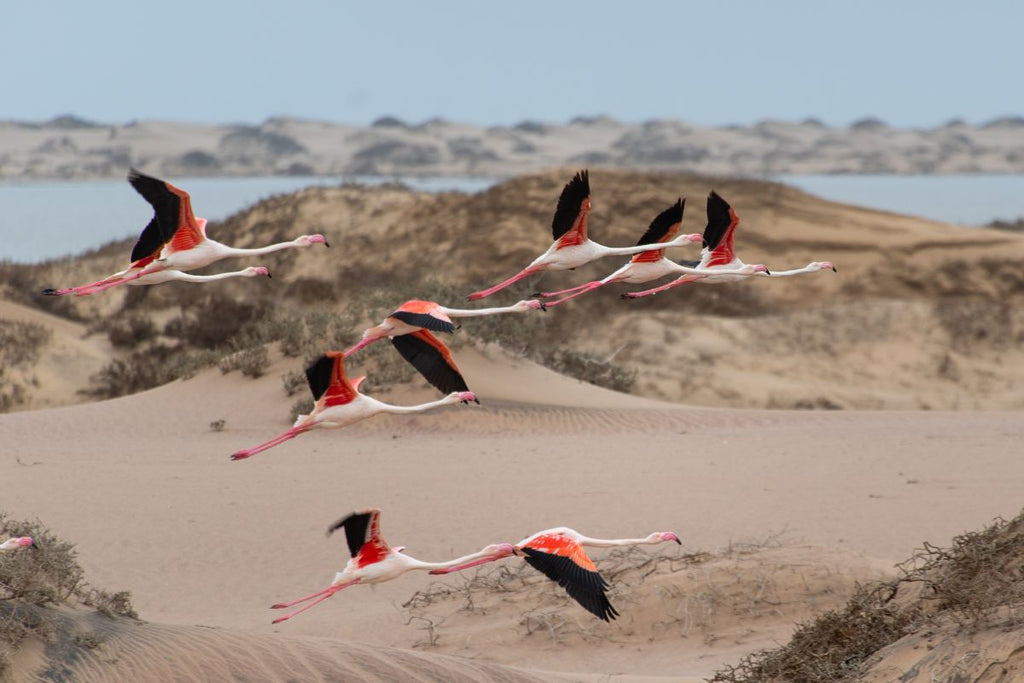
(51, 219)
(961, 199)
(43, 220)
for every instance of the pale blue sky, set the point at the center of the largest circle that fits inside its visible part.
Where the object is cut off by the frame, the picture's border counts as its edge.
(913, 63)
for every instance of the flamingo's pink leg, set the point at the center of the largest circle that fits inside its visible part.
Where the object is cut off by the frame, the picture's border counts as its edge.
(588, 287)
(467, 565)
(675, 283)
(279, 439)
(545, 295)
(323, 595)
(502, 285)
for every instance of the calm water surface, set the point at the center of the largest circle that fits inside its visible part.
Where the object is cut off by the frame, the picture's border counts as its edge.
(44, 220)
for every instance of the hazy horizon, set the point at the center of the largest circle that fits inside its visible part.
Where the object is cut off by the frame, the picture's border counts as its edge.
(912, 65)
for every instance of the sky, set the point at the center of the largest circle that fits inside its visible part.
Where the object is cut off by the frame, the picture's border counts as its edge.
(913, 63)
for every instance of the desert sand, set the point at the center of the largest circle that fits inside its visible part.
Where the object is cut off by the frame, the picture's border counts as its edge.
(781, 512)
(156, 507)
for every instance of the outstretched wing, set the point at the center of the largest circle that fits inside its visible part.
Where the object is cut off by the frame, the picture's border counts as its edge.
(720, 230)
(569, 226)
(362, 533)
(172, 207)
(432, 359)
(327, 380)
(424, 314)
(662, 229)
(565, 562)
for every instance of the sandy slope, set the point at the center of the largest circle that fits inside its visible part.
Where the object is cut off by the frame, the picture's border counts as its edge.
(146, 490)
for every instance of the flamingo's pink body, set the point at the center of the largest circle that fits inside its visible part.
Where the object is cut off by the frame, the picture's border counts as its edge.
(572, 248)
(428, 315)
(558, 553)
(374, 561)
(339, 403)
(174, 240)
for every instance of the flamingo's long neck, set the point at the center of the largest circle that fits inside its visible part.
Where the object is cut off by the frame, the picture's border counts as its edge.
(627, 251)
(237, 251)
(615, 542)
(189, 277)
(381, 407)
(469, 313)
(810, 268)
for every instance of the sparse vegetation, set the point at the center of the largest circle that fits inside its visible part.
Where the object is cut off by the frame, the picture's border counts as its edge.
(32, 580)
(978, 582)
(128, 331)
(21, 344)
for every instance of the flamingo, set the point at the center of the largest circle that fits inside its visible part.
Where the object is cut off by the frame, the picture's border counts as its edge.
(558, 554)
(718, 260)
(572, 247)
(173, 240)
(339, 403)
(643, 267)
(373, 561)
(17, 542)
(428, 315)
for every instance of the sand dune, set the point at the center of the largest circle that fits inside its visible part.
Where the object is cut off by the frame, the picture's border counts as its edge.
(146, 490)
(781, 511)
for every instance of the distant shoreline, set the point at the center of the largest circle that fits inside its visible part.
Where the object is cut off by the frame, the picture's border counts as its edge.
(70, 148)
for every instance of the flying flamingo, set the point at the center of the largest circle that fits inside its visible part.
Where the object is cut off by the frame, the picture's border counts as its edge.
(373, 561)
(718, 260)
(427, 315)
(572, 248)
(558, 554)
(339, 403)
(643, 267)
(18, 542)
(173, 240)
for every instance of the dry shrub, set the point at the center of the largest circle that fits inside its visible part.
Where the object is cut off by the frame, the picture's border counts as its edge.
(294, 381)
(971, 323)
(21, 343)
(128, 331)
(832, 647)
(982, 571)
(593, 369)
(46, 574)
(143, 370)
(978, 582)
(214, 320)
(252, 362)
(303, 406)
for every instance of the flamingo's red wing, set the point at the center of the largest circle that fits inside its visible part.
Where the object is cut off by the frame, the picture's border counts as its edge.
(425, 314)
(362, 533)
(569, 225)
(327, 380)
(563, 546)
(663, 228)
(720, 230)
(189, 234)
(432, 359)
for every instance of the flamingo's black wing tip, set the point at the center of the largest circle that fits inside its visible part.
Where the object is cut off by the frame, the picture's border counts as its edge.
(50, 291)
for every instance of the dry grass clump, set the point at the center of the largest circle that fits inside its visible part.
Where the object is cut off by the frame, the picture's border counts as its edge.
(21, 344)
(978, 583)
(46, 574)
(832, 647)
(127, 331)
(971, 323)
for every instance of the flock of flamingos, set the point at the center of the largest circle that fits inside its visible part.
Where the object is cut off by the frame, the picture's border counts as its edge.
(175, 241)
